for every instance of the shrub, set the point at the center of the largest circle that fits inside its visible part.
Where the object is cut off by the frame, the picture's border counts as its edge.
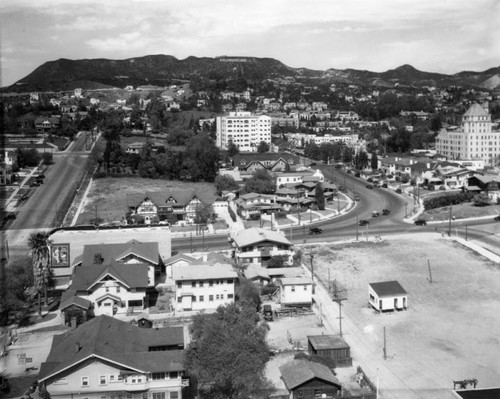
(232, 214)
(448, 199)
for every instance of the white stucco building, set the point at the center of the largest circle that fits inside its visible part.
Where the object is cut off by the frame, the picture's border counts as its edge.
(244, 129)
(387, 296)
(474, 140)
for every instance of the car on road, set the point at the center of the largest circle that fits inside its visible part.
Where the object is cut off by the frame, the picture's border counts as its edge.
(342, 188)
(497, 218)
(399, 191)
(315, 230)
(34, 183)
(384, 185)
(375, 214)
(369, 186)
(363, 222)
(420, 222)
(386, 211)
(357, 198)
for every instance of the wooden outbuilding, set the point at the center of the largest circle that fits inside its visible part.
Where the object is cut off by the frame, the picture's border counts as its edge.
(331, 346)
(387, 296)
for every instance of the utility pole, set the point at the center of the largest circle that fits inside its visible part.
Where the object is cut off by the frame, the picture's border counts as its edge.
(465, 232)
(339, 302)
(338, 203)
(191, 241)
(430, 272)
(385, 346)
(312, 270)
(357, 225)
(406, 210)
(449, 222)
(203, 235)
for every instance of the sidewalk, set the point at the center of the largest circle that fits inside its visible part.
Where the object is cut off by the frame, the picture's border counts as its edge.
(11, 204)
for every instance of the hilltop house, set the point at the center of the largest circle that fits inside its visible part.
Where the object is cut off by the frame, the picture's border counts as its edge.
(109, 358)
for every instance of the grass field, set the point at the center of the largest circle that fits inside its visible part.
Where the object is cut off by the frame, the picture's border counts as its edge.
(463, 211)
(450, 330)
(108, 196)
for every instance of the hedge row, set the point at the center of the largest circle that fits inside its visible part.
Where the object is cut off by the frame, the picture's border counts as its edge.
(231, 213)
(449, 199)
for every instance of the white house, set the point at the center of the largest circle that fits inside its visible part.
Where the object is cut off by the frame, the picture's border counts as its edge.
(256, 245)
(203, 286)
(387, 295)
(109, 358)
(295, 291)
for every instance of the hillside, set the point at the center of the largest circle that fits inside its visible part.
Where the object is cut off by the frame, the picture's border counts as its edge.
(65, 74)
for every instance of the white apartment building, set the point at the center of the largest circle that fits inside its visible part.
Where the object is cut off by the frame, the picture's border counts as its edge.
(203, 287)
(243, 129)
(475, 139)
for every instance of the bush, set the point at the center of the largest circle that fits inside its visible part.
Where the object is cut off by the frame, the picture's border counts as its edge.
(448, 199)
(268, 289)
(232, 214)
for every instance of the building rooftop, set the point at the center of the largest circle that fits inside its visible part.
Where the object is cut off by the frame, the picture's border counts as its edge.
(203, 272)
(296, 281)
(322, 342)
(476, 110)
(388, 288)
(256, 235)
(298, 372)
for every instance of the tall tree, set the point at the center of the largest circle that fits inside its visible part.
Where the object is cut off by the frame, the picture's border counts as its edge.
(232, 149)
(319, 195)
(262, 147)
(39, 245)
(228, 353)
(374, 161)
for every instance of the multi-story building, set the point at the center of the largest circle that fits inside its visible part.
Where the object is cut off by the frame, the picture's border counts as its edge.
(203, 286)
(243, 129)
(108, 358)
(473, 140)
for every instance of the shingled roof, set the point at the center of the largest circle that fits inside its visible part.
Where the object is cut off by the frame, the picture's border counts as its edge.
(476, 110)
(147, 251)
(168, 197)
(256, 235)
(298, 372)
(97, 339)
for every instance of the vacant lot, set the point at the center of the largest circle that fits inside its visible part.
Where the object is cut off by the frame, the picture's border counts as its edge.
(451, 329)
(463, 211)
(108, 196)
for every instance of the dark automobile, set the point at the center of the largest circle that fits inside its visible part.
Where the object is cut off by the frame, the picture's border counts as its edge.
(420, 222)
(315, 230)
(363, 222)
(369, 186)
(268, 312)
(399, 191)
(375, 214)
(386, 211)
(357, 198)
(34, 183)
(384, 185)
(497, 218)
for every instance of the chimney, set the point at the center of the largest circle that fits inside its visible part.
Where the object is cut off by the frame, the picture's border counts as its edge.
(77, 347)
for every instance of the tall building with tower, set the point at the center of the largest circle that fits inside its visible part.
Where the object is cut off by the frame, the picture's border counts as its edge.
(244, 129)
(474, 140)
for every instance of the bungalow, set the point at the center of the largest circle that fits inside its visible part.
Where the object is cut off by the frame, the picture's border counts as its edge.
(253, 203)
(175, 205)
(106, 357)
(269, 160)
(46, 125)
(203, 287)
(111, 289)
(490, 184)
(262, 275)
(257, 245)
(296, 291)
(308, 380)
(331, 346)
(387, 295)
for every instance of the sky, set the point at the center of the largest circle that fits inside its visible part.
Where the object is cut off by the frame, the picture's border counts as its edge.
(445, 36)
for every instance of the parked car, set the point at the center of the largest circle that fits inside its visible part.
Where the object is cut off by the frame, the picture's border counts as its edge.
(315, 230)
(342, 188)
(357, 198)
(34, 183)
(363, 222)
(369, 186)
(399, 191)
(386, 211)
(375, 214)
(420, 222)
(268, 312)
(497, 218)
(384, 185)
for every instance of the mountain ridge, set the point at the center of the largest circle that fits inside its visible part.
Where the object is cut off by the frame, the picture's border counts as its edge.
(159, 69)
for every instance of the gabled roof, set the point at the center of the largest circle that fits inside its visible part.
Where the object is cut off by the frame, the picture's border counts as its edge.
(68, 299)
(179, 257)
(202, 272)
(388, 288)
(97, 338)
(133, 275)
(328, 341)
(476, 110)
(256, 235)
(298, 372)
(295, 281)
(168, 197)
(148, 251)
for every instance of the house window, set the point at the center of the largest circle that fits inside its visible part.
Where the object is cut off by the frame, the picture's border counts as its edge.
(179, 284)
(210, 297)
(193, 283)
(145, 395)
(211, 283)
(61, 381)
(158, 395)
(111, 378)
(292, 288)
(217, 296)
(202, 298)
(102, 380)
(194, 298)
(174, 375)
(179, 300)
(200, 283)
(174, 395)
(300, 392)
(104, 397)
(305, 287)
(230, 296)
(120, 377)
(85, 381)
(230, 281)
(107, 289)
(118, 289)
(158, 376)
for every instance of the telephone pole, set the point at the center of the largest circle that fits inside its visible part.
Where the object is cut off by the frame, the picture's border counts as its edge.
(385, 346)
(312, 270)
(339, 302)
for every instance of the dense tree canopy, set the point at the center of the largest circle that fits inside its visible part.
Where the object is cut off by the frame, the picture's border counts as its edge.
(261, 182)
(228, 353)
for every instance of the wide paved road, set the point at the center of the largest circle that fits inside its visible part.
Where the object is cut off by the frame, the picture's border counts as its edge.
(39, 211)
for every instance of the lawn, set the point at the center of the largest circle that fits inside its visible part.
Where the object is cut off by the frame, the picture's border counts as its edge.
(108, 196)
(463, 211)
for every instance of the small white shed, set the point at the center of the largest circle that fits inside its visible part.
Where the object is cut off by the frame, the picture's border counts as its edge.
(387, 296)
(295, 291)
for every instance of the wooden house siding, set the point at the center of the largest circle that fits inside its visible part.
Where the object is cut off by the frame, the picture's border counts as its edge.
(315, 388)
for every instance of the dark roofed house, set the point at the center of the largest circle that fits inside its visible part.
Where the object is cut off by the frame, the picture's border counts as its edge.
(308, 380)
(331, 346)
(269, 160)
(108, 357)
(387, 295)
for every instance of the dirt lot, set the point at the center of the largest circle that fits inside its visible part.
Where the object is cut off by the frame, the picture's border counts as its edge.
(110, 195)
(451, 329)
(463, 211)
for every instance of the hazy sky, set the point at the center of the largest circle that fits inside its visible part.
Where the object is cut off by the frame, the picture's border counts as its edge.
(445, 36)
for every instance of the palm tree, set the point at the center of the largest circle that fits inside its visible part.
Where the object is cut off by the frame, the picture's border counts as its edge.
(39, 245)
